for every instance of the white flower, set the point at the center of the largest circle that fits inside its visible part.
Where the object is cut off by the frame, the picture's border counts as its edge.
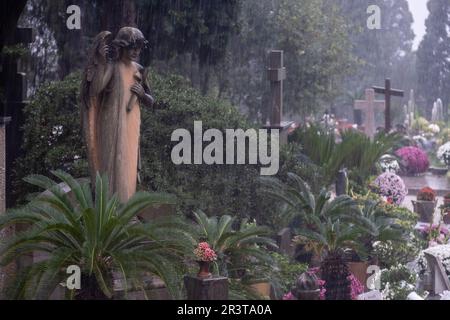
(434, 128)
(443, 153)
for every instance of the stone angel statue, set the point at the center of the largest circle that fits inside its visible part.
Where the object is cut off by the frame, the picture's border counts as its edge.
(112, 90)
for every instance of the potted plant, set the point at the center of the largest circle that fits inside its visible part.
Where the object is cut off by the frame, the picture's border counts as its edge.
(239, 247)
(307, 287)
(96, 232)
(204, 255)
(390, 186)
(413, 160)
(425, 204)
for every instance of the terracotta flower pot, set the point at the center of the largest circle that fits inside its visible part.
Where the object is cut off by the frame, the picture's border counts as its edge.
(204, 269)
(261, 288)
(425, 209)
(359, 270)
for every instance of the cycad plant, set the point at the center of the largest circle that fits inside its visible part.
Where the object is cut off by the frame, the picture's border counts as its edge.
(237, 247)
(328, 226)
(383, 227)
(95, 232)
(358, 153)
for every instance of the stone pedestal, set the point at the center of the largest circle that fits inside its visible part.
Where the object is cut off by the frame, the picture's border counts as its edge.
(286, 127)
(214, 288)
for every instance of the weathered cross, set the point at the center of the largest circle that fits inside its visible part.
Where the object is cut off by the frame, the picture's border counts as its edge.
(388, 92)
(276, 73)
(369, 106)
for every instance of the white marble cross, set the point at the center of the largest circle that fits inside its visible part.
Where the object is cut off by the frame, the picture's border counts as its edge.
(369, 106)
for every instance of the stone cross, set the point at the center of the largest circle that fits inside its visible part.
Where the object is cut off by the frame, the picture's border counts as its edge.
(388, 92)
(276, 74)
(369, 106)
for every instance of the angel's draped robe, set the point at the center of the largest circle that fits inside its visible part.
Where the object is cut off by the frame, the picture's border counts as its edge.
(111, 131)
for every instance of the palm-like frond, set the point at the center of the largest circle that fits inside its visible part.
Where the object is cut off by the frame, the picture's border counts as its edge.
(97, 234)
(234, 245)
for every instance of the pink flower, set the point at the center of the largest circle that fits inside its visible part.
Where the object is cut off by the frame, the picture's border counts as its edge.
(432, 243)
(203, 245)
(356, 287)
(391, 186)
(414, 159)
(288, 296)
(204, 253)
(322, 293)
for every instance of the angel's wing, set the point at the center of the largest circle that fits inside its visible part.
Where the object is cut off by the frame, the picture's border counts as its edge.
(96, 58)
(91, 85)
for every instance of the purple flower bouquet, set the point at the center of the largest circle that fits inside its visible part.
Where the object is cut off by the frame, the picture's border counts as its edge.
(391, 186)
(414, 160)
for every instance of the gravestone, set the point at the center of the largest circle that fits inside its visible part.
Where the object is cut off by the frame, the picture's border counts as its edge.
(213, 288)
(439, 279)
(276, 73)
(342, 182)
(388, 92)
(368, 107)
(284, 242)
(15, 88)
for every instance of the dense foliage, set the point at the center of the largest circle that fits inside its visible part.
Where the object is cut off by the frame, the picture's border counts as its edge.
(94, 231)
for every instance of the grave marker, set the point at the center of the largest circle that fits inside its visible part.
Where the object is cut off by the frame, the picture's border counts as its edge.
(368, 107)
(388, 92)
(276, 73)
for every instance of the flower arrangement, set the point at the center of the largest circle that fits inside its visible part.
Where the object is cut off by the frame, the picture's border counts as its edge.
(320, 284)
(434, 128)
(397, 282)
(356, 287)
(435, 234)
(420, 124)
(413, 159)
(443, 153)
(390, 186)
(426, 194)
(204, 253)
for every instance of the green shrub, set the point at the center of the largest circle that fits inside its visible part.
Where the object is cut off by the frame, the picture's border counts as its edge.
(51, 135)
(53, 140)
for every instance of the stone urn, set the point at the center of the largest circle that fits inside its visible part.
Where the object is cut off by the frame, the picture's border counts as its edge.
(204, 269)
(307, 287)
(425, 210)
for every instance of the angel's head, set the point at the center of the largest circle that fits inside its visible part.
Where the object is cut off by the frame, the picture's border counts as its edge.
(129, 42)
